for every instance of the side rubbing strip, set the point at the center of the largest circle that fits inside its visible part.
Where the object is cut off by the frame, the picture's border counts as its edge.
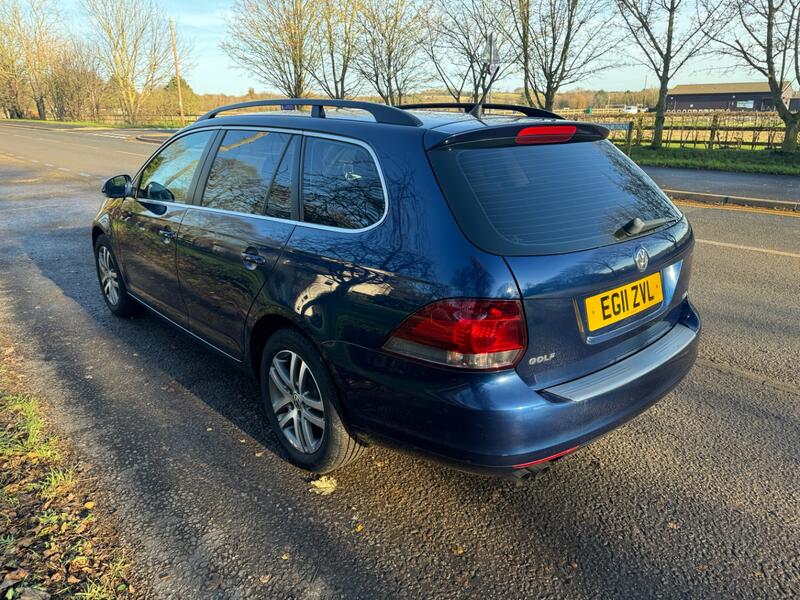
(625, 371)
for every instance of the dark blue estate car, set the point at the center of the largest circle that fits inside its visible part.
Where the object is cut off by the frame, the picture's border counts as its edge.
(494, 291)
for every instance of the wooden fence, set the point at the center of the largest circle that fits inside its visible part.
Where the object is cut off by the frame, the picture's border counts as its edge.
(751, 131)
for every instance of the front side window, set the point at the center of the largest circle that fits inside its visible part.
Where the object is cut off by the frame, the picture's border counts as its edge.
(169, 174)
(341, 185)
(243, 170)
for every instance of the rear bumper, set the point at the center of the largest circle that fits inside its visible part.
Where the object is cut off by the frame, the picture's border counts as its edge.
(494, 422)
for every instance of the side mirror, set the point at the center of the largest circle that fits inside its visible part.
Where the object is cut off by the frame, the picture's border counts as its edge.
(119, 186)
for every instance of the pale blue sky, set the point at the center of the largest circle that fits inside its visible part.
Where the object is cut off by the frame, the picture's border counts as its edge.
(203, 22)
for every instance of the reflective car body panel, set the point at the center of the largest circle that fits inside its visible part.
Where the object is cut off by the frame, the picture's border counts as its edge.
(148, 256)
(347, 290)
(218, 289)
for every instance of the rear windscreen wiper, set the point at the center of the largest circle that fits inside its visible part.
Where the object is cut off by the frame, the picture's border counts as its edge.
(636, 226)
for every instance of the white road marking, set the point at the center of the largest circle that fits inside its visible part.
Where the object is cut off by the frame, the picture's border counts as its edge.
(85, 174)
(34, 160)
(751, 248)
(64, 169)
(131, 153)
(48, 164)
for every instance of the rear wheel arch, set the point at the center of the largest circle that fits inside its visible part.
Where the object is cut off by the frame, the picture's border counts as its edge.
(264, 327)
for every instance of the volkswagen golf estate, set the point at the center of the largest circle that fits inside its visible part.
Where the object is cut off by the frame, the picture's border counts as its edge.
(494, 291)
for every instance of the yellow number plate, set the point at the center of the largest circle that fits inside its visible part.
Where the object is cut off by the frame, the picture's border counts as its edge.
(622, 302)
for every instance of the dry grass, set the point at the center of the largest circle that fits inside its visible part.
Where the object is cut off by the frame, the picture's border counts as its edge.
(54, 538)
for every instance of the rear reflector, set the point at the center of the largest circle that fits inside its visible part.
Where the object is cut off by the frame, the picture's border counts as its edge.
(546, 134)
(465, 333)
(546, 458)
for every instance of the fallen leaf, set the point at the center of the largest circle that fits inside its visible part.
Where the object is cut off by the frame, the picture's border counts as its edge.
(359, 528)
(324, 486)
(89, 505)
(72, 580)
(285, 556)
(13, 578)
(672, 525)
(265, 579)
(32, 594)
(457, 550)
(209, 429)
(260, 453)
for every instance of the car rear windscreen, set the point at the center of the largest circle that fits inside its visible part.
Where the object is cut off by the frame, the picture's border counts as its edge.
(546, 199)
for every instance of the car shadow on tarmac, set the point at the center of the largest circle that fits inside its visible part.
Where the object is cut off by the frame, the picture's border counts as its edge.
(559, 534)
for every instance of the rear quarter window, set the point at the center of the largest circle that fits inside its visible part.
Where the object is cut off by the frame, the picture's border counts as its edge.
(341, 185)
(546, 199)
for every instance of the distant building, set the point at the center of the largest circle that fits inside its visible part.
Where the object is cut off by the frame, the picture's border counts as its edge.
(794, 103)
(724, 96)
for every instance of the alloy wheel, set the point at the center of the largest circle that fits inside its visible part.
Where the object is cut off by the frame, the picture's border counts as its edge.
(109, 278)
(296, 401)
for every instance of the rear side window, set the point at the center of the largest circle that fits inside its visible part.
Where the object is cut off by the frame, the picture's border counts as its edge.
(546, 199)
(243, 170)
(168, 176)
(341, 185)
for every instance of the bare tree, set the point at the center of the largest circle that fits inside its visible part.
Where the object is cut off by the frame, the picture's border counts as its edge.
(765, 36)
(457, 42)
(74, 84)
(668, 33)
(338, 44)
(391, 59)
(38, 40)
(12, 66)
(275, 42)
(560, 42)
(133, 46)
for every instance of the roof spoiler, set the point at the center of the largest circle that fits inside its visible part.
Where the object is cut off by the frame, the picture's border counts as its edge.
(469, 108)
(525, 134)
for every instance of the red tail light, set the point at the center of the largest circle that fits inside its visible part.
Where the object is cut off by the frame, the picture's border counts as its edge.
(464, 333)
(546, 134)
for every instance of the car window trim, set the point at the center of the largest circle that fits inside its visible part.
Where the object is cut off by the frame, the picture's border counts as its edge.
(296, 183)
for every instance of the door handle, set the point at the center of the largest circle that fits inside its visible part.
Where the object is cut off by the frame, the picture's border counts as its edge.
(252, 259)
(167, 235)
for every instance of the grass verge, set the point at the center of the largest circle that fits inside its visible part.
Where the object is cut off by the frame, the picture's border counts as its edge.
(55, 541)
(161, 124)
(739, 161)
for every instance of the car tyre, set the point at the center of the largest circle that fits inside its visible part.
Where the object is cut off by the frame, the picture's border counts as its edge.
(302, 404)
(112, 285)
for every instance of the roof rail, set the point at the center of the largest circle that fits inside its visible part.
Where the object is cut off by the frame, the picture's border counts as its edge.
(468, 107)
(381, 112)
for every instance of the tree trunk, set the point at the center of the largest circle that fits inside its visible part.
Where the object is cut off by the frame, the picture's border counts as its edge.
(549, 98)
(790, 135)
(661, 107)
(40, 108)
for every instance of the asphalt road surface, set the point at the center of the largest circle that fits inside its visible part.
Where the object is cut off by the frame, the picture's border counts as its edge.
(699, 497)
(748, 185)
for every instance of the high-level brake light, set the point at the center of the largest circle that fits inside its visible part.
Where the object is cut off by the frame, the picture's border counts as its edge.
(545, 134)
